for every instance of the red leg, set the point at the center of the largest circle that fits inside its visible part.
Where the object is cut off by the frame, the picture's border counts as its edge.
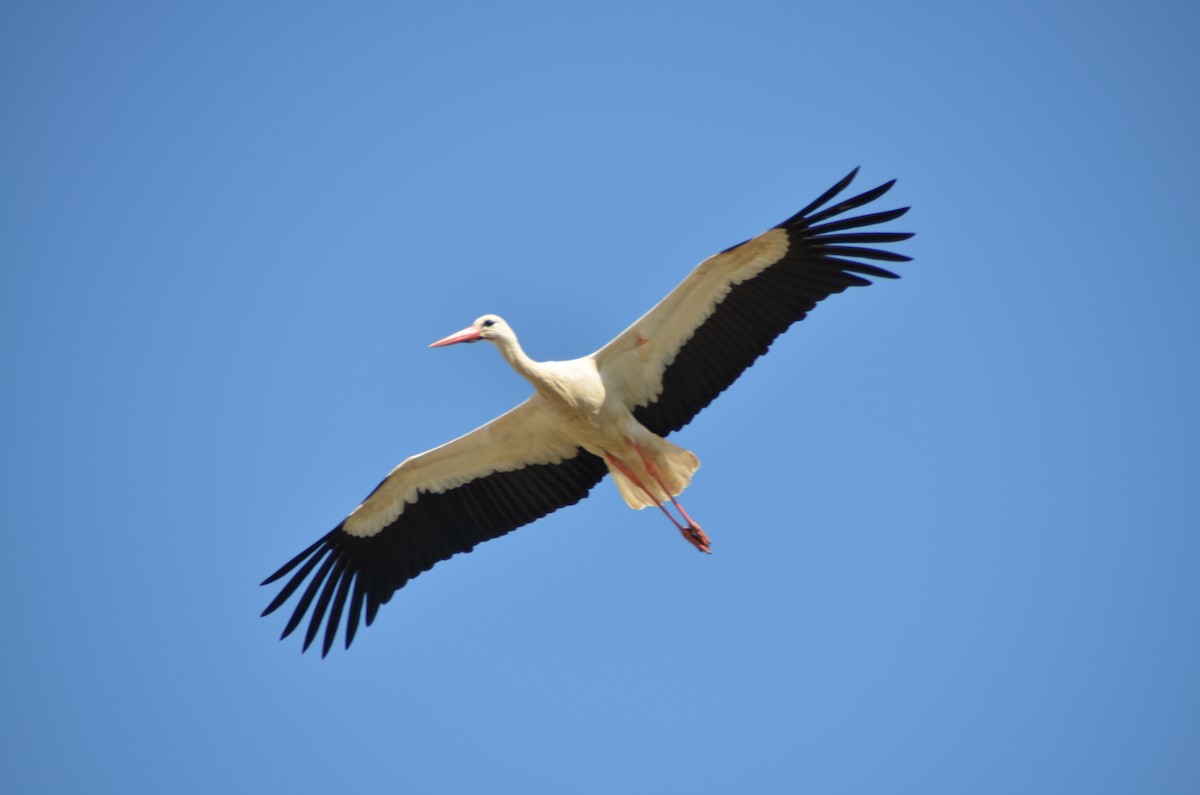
(694, 534)
(637, 482)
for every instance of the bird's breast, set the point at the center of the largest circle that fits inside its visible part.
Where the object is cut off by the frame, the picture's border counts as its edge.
(576, 394)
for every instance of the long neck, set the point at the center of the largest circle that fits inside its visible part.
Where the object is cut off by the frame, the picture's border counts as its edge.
(511, 350)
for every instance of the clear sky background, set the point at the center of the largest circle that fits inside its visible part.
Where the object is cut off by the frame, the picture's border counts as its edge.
(954, 516)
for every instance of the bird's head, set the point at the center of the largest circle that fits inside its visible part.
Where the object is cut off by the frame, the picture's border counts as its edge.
(488, 327)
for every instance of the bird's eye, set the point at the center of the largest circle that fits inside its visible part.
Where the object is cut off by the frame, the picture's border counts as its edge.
(489, 323)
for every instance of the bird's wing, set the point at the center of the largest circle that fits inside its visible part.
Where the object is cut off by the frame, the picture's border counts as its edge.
(685, 351)
(511, 471)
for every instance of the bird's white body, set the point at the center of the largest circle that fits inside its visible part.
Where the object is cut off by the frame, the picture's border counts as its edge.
(592, 413)
(604, 413)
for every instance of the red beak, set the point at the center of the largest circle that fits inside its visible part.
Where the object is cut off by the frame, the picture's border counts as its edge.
(469, 334)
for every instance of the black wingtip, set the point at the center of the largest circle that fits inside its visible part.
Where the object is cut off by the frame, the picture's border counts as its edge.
(837, 188)
(294, 562)
(857, 222)
(853, 203)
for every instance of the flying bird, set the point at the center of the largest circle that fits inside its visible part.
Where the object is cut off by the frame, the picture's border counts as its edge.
(606, 413)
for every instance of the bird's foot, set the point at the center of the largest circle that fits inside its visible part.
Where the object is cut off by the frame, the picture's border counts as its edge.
(697, 537)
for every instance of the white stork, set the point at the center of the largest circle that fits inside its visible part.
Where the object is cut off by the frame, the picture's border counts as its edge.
(604, 413)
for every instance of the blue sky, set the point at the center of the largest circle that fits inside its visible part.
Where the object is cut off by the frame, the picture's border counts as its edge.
(956, 542)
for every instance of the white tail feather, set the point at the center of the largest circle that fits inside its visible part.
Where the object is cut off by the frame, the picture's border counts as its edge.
(675, 467)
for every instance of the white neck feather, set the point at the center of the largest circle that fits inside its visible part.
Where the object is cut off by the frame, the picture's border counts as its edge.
(511, 350)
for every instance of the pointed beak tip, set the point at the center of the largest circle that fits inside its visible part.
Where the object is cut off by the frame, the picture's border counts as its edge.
(469, 334)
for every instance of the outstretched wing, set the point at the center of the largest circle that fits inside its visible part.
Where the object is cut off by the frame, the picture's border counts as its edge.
(685, 351)
(507, 473)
